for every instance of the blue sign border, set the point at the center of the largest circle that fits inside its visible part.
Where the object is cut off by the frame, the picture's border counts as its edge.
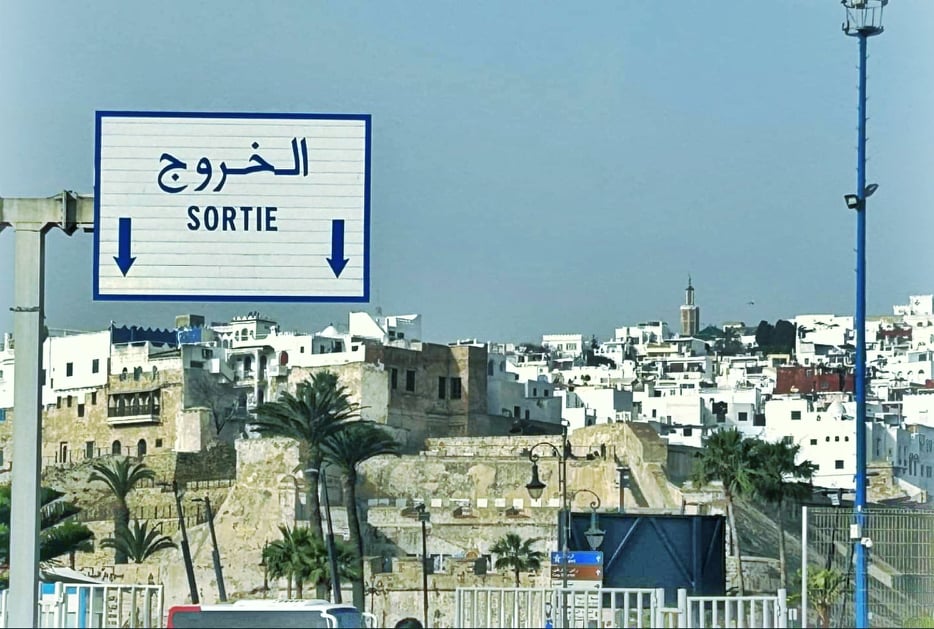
(365, 118)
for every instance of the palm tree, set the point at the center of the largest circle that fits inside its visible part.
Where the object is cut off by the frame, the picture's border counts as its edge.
(120, 475)
(356, 443)
(302, 557)
(777, 478)
(517, 553)
(138, 542)
(319, 408)
(59, 534)
(824, 590)
(726, 457)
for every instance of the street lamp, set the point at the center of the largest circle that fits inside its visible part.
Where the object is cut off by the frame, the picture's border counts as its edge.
(186, 551)
(536, 487)
(424, 517)
(332, 549)
(863, 20)
(594, 534)
(215, 553)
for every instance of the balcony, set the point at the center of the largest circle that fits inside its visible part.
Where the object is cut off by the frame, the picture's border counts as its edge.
(133, 415)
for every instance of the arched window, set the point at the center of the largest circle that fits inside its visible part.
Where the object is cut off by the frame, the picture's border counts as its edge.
(283, 358)
(123, 374)
(247, 363)
(141, 447)
(137, 373)
(116, 448)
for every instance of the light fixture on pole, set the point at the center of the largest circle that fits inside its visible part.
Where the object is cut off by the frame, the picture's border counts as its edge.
(424, 517)
(863, 20)
(536, 488)
(186, 550)
(594, 534)
(215, 552)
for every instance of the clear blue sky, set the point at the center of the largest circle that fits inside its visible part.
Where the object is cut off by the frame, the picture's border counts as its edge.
(537, 167)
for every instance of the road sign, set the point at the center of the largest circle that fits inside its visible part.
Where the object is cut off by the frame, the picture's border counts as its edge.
(577, 557)
(578, 573)
(231, 207)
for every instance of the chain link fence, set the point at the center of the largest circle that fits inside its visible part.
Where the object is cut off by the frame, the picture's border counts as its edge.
(900, 565)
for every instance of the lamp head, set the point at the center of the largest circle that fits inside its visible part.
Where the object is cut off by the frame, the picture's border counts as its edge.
(535, 486)
(594, 534)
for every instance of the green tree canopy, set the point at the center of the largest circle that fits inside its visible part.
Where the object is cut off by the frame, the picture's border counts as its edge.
(320, 407)
(120, 475)
(138, 541)
(517, 554)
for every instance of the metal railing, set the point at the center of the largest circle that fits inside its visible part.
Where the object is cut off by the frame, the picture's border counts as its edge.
(613, 607)
(95, 605)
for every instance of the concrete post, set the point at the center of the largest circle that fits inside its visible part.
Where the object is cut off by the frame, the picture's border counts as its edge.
(31, 219)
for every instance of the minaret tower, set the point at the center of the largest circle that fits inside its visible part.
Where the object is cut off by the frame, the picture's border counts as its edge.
(690, 313)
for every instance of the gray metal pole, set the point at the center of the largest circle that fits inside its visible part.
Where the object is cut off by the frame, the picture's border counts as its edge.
(424, 567)
(186, 550)
(215, 552)
(332, 549)
(29, 266)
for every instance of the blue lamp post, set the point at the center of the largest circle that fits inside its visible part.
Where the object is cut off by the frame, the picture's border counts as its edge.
(863, 20)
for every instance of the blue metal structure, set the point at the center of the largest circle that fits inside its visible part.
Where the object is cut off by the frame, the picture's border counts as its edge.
(863, 20)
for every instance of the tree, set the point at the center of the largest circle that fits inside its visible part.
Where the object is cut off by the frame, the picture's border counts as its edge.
(59, 534)
(219, 398)
(824, 590)
(517, 553)
(302, 557)
(777, 478)
(120, 475)
(784, 336)
(764, 334)
(319, 408)
(138, 541)
(726, 457)
(356, 443)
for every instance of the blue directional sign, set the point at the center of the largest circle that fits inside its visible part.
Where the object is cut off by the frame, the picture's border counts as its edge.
(232, 207)
(579, 557)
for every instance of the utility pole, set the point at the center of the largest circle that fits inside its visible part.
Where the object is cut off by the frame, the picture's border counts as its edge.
(31, 219)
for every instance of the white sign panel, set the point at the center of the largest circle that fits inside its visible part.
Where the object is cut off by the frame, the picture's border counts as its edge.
(232, 207)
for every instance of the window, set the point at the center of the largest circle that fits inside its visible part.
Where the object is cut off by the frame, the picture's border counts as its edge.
(788, 440)
(758, 419)
(813, 442)
(69, 399)
(81, 410)
(836, 438)
(93, 397)
(826, 438)
(442, 382)
(2, 414)
(526, 414)
(138, 372)
(95, 365)
(393, 378)
(516, 412)
(69, 369)
(721, 418)
(410, 380)
(796, 415)
(742, 416)
(89, 449)
(116, 448)
(688, 432)
(159, 442)
(455, 388)
(838, 464)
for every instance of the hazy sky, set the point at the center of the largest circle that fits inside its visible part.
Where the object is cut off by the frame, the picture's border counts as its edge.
(536, 166)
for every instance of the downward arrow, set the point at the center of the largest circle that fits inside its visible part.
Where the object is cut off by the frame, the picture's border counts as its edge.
(123, 259)
(337, 261)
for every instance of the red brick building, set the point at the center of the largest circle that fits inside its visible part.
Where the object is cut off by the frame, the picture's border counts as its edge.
(803, 379)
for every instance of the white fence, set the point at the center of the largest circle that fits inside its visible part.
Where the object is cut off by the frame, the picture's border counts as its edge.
(613, 607)
(94, 606)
